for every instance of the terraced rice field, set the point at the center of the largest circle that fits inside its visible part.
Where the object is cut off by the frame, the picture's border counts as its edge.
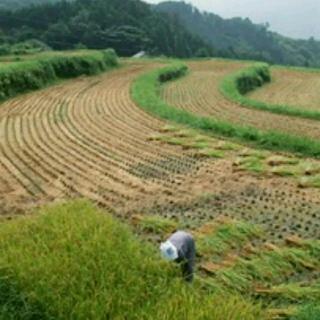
(84, 138)
(199, 93)
(87, 138)
(291, 87)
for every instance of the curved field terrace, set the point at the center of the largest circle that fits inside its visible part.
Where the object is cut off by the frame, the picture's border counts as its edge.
(291, 87)
(199, 93)
(87, 138)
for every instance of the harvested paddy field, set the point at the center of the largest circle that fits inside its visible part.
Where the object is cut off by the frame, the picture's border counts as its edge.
(199, 93)
(251, 211)
(300, 88)
(86, 138)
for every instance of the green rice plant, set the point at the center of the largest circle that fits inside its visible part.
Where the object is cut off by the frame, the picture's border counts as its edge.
(235, 86)
(268, 267)
(145, 92)
(72, 261)
(308, 312)
(217, 239)
(156, 224)
(292, 293)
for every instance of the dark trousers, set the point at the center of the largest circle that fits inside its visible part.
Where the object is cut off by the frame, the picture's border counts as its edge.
(187, 269)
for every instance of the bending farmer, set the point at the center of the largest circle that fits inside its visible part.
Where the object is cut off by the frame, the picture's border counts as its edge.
(180, 247)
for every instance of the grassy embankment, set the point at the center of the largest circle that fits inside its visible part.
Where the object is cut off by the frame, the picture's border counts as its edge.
(33, 74)
(145, 92)
(73, 261)
(237, 85)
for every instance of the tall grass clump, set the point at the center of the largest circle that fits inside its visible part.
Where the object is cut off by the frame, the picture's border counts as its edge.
(244, 81)
(237, 85)
(72, 261)
(145, 92)
(20, 77)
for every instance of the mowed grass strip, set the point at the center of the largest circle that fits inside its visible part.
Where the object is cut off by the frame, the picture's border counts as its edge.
(73, 261)
(236, 86)
(145, 92)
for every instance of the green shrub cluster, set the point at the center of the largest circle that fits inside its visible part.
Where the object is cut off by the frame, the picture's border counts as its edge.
(72, 261)
(235, 86)
(173, 73)
(145, 93)
(20, 77)
(252, 78)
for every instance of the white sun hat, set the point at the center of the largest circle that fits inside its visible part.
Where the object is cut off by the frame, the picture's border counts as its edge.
(169, 251)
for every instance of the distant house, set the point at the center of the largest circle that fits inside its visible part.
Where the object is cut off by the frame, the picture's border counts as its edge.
(140, 54)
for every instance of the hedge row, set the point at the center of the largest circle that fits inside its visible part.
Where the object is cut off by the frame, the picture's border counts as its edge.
(235, 86)
(20, 77)
(145, 93)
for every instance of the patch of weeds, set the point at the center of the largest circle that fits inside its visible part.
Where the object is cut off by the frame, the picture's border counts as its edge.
(250, 163)
(310, 168)
(199, 145)
(227, 146)
(174, 141)
(310, 181)
(285, 171)
(184, 134)
(282, 160)
(170, 128)
(253, 153)
(211, 153)
(201, 139)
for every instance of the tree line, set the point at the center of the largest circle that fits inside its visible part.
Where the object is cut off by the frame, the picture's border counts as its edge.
(128, 26)
(242, 39)
(171, 28)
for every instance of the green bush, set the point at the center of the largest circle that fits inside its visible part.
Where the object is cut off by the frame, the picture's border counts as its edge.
(173, 73)
(145, 93)
(20, 77)
(234, 86)
(252, 78)
(73, 261)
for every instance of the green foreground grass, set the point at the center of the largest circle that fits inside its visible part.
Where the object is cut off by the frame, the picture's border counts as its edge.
(235, 86)
(73, 261)
(145, 92)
